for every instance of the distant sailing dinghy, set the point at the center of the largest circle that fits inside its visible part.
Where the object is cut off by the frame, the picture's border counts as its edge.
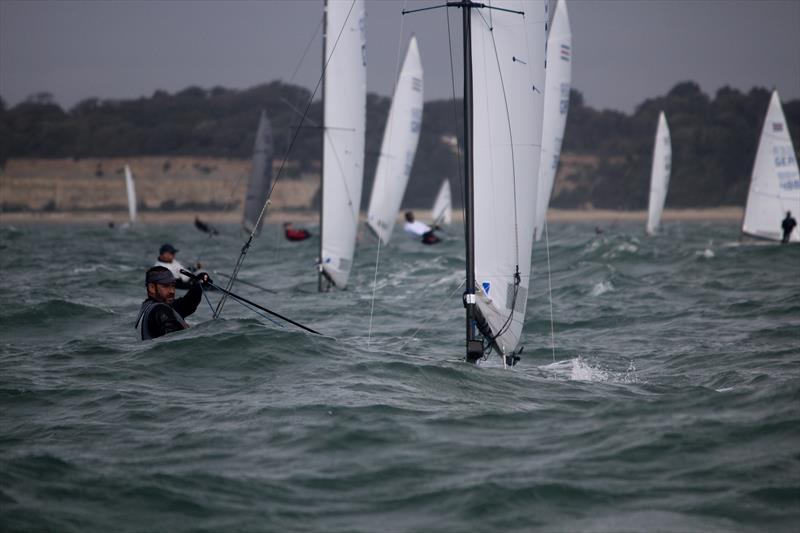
(260, 176)
(504, 58)
(344, 114)
(775, 182)
(556, 105)
(130, 188)
(659, 174)
(400, 138)
(442, 211)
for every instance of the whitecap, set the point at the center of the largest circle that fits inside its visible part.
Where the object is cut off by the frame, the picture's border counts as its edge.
(578, 369)
(627, 247)
(602, 288)
(90, 269)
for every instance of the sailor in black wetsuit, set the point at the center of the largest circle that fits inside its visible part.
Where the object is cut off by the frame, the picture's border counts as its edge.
(788, 225)
(161, 313)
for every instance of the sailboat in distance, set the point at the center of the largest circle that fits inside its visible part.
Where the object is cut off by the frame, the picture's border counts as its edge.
(659, 174)
(442, 212)
(260, 176)
(775, 181)
(556, 104)
(130, 189)
(400, 138)
(504, 60)
(345, 115)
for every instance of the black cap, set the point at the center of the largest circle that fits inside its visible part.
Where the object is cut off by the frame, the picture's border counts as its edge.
(160, 276)
(167, 248)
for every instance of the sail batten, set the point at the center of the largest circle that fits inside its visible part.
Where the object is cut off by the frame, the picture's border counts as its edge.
(659, 174)
(508, 58)
(345, 97)
(775, 181)
(260, 176)
(400, 139)
(556, 105)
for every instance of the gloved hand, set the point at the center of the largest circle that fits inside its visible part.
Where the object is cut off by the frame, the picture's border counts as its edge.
(204, 278)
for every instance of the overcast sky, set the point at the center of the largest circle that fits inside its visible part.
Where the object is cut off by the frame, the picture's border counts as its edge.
(624, 50)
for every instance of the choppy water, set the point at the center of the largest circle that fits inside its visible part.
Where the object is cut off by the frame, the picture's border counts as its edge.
(672, 403)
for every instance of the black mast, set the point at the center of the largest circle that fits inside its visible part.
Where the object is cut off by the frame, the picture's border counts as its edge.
(320, 274)
(474, 346)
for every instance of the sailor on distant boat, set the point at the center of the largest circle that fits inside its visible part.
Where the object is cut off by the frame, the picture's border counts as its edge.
(161, 313)
(788, 226)
(205, 227)
(294, 234)
(415, 227)
(166, 259)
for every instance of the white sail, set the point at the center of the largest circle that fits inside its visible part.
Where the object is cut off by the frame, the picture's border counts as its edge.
(260, 176)
(131, 190)
(399, 146)
(345, 101)
(775, 182)
(442, 212)
(556, 104)
(659, 174)
(508, 60)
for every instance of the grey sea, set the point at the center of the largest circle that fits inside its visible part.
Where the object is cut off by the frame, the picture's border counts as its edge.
(670, 402)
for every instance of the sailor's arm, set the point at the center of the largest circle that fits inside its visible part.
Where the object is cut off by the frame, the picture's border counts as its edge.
(187, 304)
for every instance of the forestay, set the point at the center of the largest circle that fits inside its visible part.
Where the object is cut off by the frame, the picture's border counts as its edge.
(442, 211)
(508, 56)
(345, 98)
(775, 182)
(260, 176)
(556, 104)
(400, 138)
(659, 174)
(130, 188)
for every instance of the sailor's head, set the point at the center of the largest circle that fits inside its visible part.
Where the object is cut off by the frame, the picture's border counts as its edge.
(160, 284)
(409, 216)
(788, 214)
(287, 225)
(167, 253)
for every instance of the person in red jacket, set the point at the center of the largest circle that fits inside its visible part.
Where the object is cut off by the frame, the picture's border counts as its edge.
(294, 234)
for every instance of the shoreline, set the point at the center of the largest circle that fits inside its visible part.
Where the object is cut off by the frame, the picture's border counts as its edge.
(710, 214)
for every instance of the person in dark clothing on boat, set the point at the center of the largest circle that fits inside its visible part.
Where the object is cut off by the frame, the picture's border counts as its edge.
(161, 313)
(294, 234)
(415, 227)
(205, 227)
(788, 226)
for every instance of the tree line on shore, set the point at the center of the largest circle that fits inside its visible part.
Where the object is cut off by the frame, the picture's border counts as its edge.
(714, 139)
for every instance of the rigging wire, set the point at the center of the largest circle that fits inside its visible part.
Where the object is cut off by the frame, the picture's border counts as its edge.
(435, 313)
(249, 241)
(391, 130)
(305, 52)
(230, 203)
